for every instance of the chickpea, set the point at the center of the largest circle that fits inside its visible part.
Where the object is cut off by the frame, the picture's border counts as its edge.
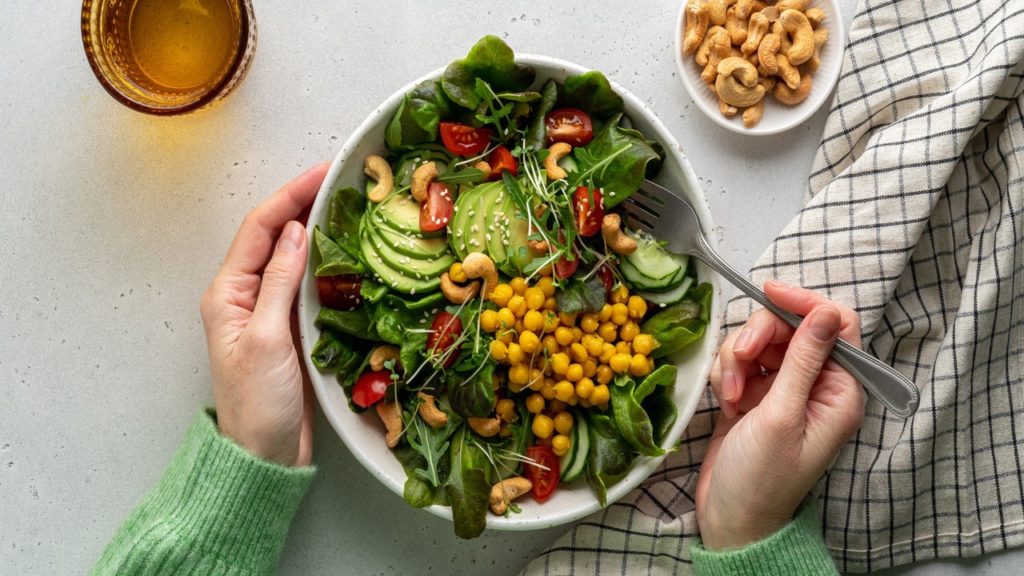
(578, 352)
(594, 345)
(534, 298)
(506, 319)
(501, 294)
(643, 344)
(499, 351)
(584, 387)
(542, 426)
(620, 295)
(517, 304)
(638, 365)
(488, 319)
(563, 335)
(637, 307)
(577, 334)
(605, 313)
(519, 374)
(607, 351)
(506, 337)
(622, 347)
(604, 374)
(547, 286)
(589, 323)
(556, 406)
(607, 331)
(549, 345)
(600, 395)
(535, 403)
(516, 355)
(563, 422)
(564, 390)
(548, 391)
(518, 285)
(589, 368)
(506, 410)
(533, 321)
(551, 304)
(559, 363)
(620, 314)
(456, 273)
(529, 342)
(550, 322)
(560, 443)
(505, 430)
(628, 331)
(619, 363)
(574, 373)
(567, 318)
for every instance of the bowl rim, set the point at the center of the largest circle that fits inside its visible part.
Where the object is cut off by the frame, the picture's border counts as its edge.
(643, 466)
(807, 111)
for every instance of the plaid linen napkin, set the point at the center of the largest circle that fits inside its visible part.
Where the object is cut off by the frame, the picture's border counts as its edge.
(915, 218)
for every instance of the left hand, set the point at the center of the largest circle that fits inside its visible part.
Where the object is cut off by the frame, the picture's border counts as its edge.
(263, 400)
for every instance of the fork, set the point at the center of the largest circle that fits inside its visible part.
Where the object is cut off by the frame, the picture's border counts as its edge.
(668, 215)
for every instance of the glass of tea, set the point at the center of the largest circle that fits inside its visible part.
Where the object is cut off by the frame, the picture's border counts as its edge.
(168, 56)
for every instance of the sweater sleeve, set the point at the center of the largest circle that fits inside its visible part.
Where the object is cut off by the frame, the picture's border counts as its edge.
(217, 510)
(798, 548)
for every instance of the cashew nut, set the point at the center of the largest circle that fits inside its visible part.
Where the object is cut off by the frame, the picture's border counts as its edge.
(789, 74)
(506, 491)
(455, 293)
(790, 96)
(391, 416)
(701, 57)
(791, 4)
(799, 28)
(779, 31)
(735, 27)
(421, 179)
(720, 48)
(756, 30)
(726, 110)
(539, 246)
(820, 37)
(381, 354)
(485, 427)
(378, 168)
(766, 53)
(614, 237)
(753, 114)
(431, 414)
(737, 83)
(483, 167)
(771, 13)
(696, 25)
(556, 152)
(744, 8)
(479, 265)
(815, 16)
(716, 11)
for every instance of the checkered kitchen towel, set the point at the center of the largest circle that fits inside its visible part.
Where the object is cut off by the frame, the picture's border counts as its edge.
(915, 217)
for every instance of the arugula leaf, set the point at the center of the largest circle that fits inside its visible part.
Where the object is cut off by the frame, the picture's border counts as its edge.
(581, 296)
(417, 492)
(617, 160)
(464, 176)
(468, 486)
(682, 324)
(490, 60)
(592, 93)
(431, 444)
(334, 260)
(536, 131)
(344, 212)
(610, 455)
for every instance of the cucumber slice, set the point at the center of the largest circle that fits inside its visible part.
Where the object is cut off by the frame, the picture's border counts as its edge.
(580, 449)
(653, 261)
(670, 297)
(644, 283)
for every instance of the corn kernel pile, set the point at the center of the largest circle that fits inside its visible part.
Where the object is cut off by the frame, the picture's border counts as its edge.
(563, 359)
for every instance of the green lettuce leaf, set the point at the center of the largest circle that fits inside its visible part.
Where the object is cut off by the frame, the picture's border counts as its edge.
(491, 60)
(592, 93)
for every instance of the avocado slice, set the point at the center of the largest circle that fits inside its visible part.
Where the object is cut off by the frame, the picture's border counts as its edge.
(457, 227)
(389, 276)
(407, 265)
(518, 230)
(402, 213)
(410, 245)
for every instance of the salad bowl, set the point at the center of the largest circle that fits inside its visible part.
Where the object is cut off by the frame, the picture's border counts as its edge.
(362, 433)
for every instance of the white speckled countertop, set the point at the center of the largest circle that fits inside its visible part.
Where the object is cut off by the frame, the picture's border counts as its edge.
(113, 222)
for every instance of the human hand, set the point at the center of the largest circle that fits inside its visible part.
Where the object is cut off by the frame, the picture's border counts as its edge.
(787, 410)
(259, 388)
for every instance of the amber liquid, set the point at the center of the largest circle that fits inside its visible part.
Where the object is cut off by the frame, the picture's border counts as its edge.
(173, 52)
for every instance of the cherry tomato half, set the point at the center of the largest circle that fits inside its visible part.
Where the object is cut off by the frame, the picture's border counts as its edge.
(565, 267)
(499, 160)
(371, 387)
(436, 211)
(569, 125)
(340, 292)
(463, 140)
(445, 329)
(589, 208)
(544, 481)
(607, 278)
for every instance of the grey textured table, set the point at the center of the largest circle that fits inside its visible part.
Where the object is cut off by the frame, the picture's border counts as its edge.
(113, 222)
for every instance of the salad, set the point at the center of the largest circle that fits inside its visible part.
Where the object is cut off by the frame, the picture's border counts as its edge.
(480, 293)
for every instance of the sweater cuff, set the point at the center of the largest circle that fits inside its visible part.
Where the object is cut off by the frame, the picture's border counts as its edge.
(237, 505)
(798, 548)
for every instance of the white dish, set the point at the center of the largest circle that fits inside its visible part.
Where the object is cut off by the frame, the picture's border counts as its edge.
(364, 434)
(777, 116)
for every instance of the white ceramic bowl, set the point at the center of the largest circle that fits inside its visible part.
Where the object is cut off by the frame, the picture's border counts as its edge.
(777, 117)
(364, 434)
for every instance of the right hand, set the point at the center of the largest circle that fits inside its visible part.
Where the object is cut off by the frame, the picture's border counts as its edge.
(787, 410)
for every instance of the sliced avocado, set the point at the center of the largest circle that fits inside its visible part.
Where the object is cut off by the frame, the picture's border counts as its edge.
(407, 265)
(518, 229)
(402, 212)
(388, 275)
(476, 231)
(410, 245)
(457, 226)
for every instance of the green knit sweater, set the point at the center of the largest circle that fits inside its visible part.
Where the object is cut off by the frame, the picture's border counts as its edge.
(219, 510)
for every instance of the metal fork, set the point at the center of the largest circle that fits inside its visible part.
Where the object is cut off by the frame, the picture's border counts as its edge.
(670, 216)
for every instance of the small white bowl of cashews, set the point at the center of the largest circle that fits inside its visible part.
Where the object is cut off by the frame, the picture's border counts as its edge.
(759, 67)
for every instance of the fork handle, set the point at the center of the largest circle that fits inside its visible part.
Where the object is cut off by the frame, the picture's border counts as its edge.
(891, 388)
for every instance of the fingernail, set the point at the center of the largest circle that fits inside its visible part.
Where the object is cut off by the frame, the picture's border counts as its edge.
(291, 237)
(728, 409)
(742, 340)
(825, 324)
(728, 386)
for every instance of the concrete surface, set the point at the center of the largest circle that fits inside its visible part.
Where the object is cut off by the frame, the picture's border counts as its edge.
(112, 223)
